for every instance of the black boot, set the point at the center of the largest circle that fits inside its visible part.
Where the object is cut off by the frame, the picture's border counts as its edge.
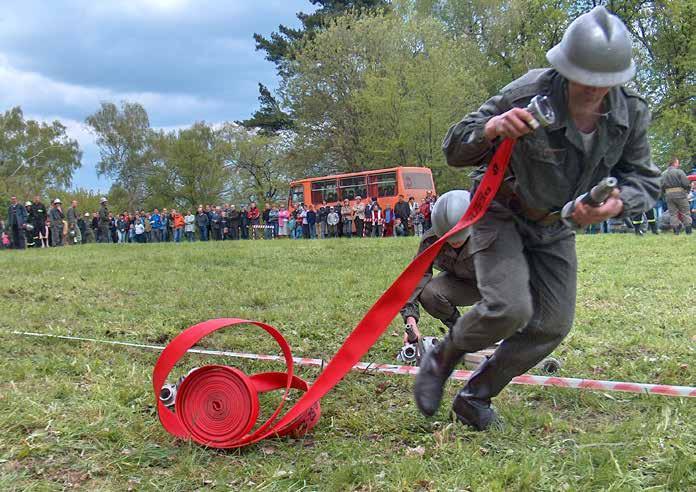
(435, 367)
(474, 412)
(676, 230)
(653, 227)
(472, 405)
(688, 229)
(638, 230)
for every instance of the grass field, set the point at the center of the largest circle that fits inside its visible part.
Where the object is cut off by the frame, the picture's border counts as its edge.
(76, 414)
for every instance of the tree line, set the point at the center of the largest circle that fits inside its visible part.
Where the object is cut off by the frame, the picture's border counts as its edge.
(362, 84)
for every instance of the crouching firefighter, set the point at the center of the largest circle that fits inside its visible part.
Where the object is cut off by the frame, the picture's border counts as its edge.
(523, 246)
(455, 285)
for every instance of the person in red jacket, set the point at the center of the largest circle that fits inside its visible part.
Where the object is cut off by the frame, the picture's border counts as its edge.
(425, 212)
(254, 215)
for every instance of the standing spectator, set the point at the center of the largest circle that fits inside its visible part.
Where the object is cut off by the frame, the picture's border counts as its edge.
(676, 187)
(273, 216)
(332, 222)
(131, 228)
(82, 226)
(376, 219)
(388, 222)
(202, 224)
(40, 215)
(292, 223)
(74, 234)
(311, 222)
(156, 223)
(412, 204)
(347, 218)
(283, 216)
(103, 221)
(46, 230)
(425, 212)
(417, 221)
(139, 229)
(244, 222)
(190, 226)
(147, 222)
(359, 216)
(266, 216)
(254, 215)
(56, 216)
(303, 221)
(216, 227)
(209, 213)
(88, 234)
(4, 238)
(339, 227)
(121, 229)
(95, 226)
(367, 226)
(166, 225)
(16, 223)
(113, 231)
(322, 215)
(234, 217)
(402, 210)
(29, 226)
(225, 224)
(178, 225)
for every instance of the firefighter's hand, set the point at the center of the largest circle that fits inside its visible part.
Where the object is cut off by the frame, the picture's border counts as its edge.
(512, 124)
(412, 322)
(586, 214)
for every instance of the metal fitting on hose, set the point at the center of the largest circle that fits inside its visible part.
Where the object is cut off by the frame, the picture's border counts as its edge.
(168, 392)
(408, 354)
(542, 111)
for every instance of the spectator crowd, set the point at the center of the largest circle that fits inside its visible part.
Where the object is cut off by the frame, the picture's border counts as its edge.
(33, 224)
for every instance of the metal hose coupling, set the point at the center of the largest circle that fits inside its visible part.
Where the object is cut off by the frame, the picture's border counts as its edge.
(542, 111)
(408, 354)
(594, 198)
(168, 392)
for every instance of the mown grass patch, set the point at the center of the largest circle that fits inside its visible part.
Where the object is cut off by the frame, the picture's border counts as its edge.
(79, 414)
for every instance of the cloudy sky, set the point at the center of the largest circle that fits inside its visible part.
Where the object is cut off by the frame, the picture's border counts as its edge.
(183, 60)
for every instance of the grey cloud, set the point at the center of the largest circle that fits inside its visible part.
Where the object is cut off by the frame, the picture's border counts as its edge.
(197, 48)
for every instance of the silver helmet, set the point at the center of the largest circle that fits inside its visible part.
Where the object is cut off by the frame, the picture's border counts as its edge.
(595, 50)
(447, 211)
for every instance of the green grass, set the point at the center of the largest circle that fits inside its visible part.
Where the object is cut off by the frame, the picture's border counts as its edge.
(81, 415)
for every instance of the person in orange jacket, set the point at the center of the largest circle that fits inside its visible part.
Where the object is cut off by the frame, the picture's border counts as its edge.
(178, 220)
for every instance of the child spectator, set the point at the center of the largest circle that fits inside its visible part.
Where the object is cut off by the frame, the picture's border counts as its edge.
(311, 223)
(376, 220)
(388, 222)
(283, 216)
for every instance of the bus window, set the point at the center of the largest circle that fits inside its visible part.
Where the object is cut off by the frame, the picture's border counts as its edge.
(383, 185)
(417, 181)
(352, 187)
(296, 195)
(324, 190)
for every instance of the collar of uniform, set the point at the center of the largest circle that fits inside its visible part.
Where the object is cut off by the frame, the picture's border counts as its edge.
(617, 109)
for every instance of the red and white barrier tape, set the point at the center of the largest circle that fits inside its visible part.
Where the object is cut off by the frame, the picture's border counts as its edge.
(370, 367)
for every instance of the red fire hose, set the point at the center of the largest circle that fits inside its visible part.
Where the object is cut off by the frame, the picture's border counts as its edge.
(217, 406)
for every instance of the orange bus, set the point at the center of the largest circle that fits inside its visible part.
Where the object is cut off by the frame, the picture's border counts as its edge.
(384, 184)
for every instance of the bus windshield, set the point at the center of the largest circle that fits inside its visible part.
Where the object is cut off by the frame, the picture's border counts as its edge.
(414, 180)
